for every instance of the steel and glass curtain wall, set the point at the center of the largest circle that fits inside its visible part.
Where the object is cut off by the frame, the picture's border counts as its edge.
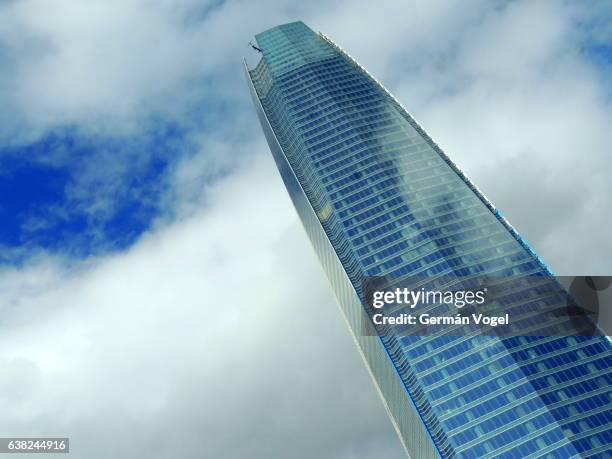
(378, 197)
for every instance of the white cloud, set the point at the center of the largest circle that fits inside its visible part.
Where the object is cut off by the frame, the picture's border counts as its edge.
(107, 65)
(204, 339)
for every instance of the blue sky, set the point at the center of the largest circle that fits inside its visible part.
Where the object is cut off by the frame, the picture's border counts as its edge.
(41, 210)
(142, 217)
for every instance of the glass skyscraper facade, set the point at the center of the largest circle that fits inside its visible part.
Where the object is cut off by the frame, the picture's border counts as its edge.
(378, 197)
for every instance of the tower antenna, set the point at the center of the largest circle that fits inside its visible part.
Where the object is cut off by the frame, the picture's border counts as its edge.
(255, 47)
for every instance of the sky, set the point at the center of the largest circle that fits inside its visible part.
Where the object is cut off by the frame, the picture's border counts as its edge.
(158, 296)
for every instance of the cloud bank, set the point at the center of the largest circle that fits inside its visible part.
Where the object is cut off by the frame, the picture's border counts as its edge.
(191, 344)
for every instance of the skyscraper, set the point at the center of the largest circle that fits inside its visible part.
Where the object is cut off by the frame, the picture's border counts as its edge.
(378, 197)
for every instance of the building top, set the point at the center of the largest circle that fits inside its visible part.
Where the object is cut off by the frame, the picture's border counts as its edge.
(288, 46)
